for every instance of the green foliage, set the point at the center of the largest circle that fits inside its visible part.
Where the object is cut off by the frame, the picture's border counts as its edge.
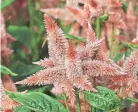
(37, 101)
(68, 36)
(24, 70)
(114, 110)
(124, 6)
(65, 28)
(42, 89)
(7, 71)
(97, 28)
(6, 3)
(132, 99)
(130, 48)
(20, 33)
(38, 24)
(78, 101)
(22, 109)
(129, 45)
(104, 99)
(118, 57)
(125, 103)
(104, 18)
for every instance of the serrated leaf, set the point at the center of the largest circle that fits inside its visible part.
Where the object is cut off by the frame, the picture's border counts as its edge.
(114, 110)
(7, 71)
(107, 93)
(37, 101)
(104, 99)
(6, 3)
(22, 109)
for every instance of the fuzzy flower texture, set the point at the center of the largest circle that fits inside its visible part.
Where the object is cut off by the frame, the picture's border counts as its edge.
(69, 67)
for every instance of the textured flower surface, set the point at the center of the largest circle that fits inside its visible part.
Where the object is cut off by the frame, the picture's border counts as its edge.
(68, 67)
(5, 38)
(7, 104)
(128, 83)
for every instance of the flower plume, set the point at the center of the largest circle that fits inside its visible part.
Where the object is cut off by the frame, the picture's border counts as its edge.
(69, 66)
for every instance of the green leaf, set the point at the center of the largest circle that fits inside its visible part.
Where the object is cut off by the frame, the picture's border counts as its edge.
(37, 101)
(8, 21)
(114, 110)
(78, 101)
(124, 6)
(22, 109)
(104, 99)
(104, 18)
(6, 3)
(5, 70)
(20, 33)
(68, 36)
(24, 70)
(118, 57)
(125, 103)
(129, 45)
(41, 89)
(132, 46)
(65, 28)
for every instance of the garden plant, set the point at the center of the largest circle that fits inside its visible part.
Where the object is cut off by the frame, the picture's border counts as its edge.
(69, 56)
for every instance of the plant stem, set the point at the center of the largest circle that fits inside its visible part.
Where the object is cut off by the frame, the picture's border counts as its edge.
(93, 109)
(34, 45)
(98, 33)
(78, 101)
(84, 105)
(112, 39)
(66, 103)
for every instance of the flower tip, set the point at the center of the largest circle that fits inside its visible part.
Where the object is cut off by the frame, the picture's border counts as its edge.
(19, 82)
(42, 10)
(94, 90)
(36, 63)
(123, 73)
(46, 16)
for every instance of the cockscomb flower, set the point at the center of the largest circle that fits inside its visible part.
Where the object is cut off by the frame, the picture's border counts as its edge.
(7, 104)
(57, 42)
(135, 40)
(5, 39)
(59, 13)
(130, 32)
(66, 68)
(128, 82)
(113, 8)
(131, 64)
